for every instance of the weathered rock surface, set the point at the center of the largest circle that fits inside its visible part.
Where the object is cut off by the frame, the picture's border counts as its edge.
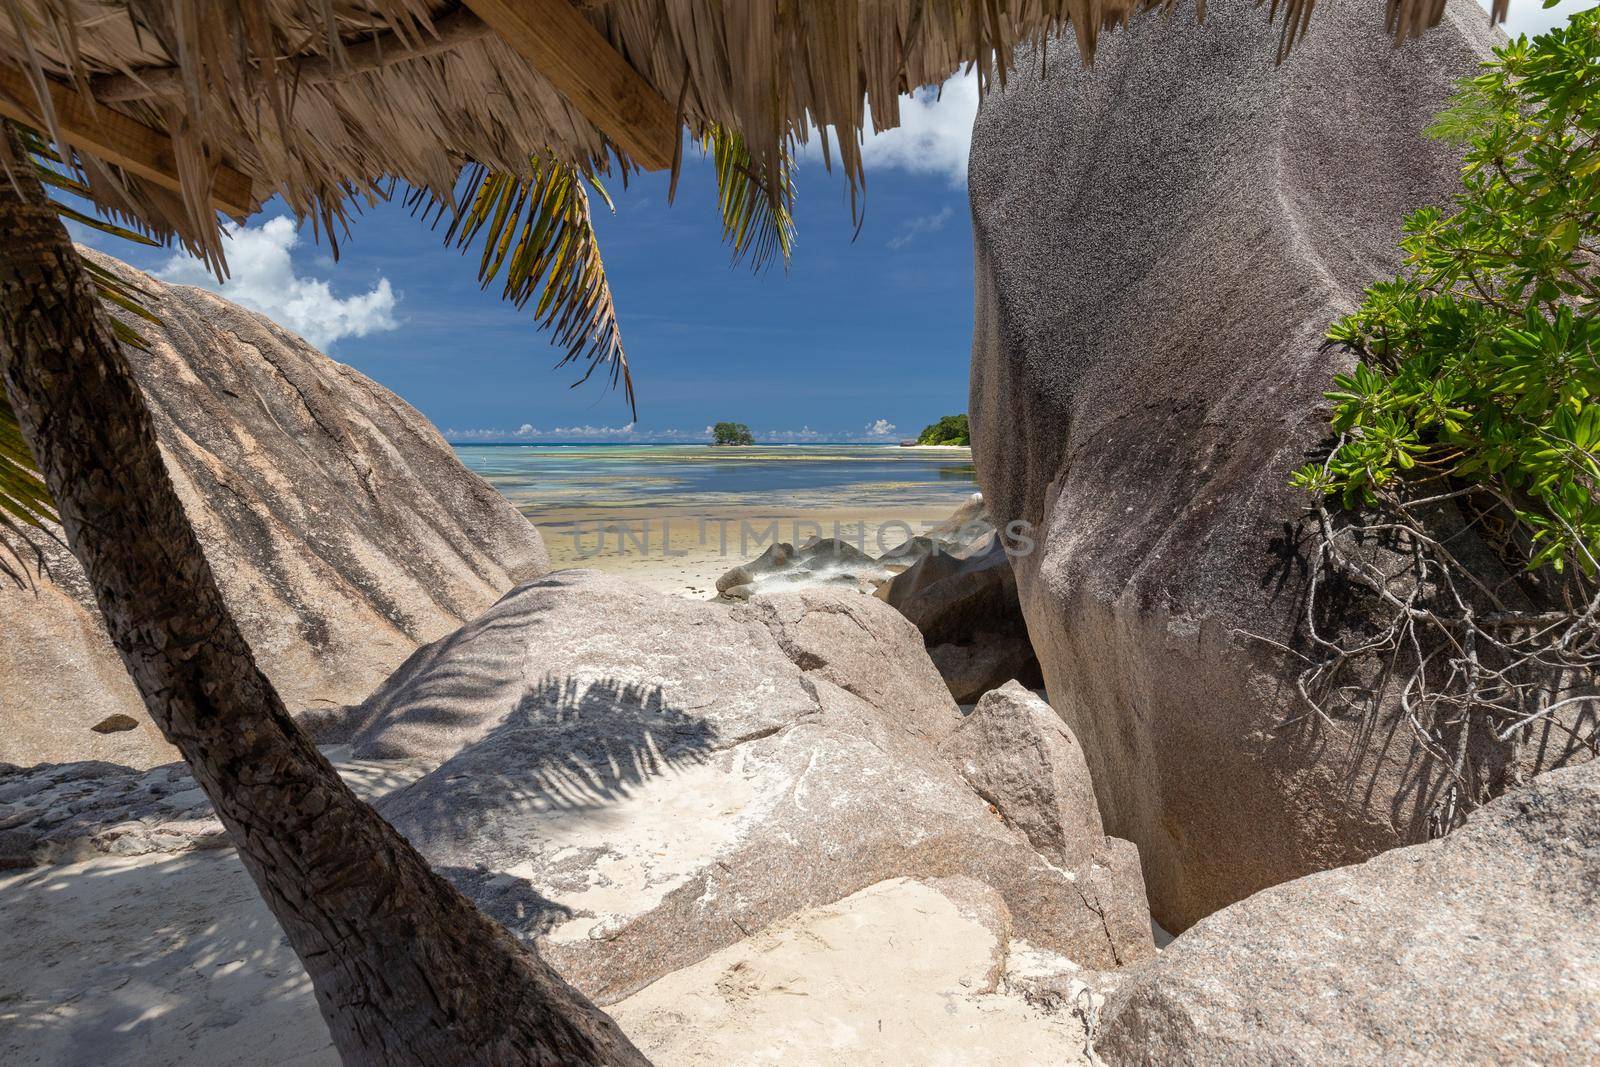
(1020, 757)
(590, 651)
(632, 780)
(1160, 244)
(1478, 948)
(952, 581)
(967, 525)
(863, 646)
(341, 527)
(951, 595)
(640, 780)
(900, 972)
(963, 597)
(971, 670)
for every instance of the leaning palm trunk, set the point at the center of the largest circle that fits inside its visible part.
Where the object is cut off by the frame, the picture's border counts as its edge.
(406, 970)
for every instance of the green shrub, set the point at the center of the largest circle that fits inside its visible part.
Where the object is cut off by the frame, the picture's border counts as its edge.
(1478, 362)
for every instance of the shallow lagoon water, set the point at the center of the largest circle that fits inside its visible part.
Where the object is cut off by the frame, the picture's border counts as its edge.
(543, 480)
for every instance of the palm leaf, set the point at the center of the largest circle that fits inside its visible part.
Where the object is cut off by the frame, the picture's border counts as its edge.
(757, 207)
(538, 232)
(24, 501)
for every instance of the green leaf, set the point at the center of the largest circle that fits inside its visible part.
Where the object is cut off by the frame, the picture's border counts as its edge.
(1477, 364)
(757, 204)
(538, 235)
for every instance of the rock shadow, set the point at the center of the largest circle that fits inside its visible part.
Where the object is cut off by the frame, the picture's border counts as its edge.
(570, 746)
(445, 686)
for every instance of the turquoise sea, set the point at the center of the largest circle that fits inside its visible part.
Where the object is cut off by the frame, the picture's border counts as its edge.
(543, 479)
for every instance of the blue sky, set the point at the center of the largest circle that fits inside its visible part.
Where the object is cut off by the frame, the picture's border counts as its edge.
(864, 338)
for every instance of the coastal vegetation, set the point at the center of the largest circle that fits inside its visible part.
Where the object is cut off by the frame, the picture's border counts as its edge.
(731, 433)
(950, 430)
(1478, 389)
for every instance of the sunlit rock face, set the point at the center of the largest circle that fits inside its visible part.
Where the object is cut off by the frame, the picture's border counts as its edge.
(639, 780)
(1368, 963)
(638, 783)
(341, 527)
(1160, 243)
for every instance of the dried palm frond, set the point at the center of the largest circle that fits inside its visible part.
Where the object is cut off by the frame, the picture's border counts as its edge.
(538, 229)
(323, 102)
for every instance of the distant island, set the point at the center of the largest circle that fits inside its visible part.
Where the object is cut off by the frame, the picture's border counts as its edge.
(737, 433)
(950, 430)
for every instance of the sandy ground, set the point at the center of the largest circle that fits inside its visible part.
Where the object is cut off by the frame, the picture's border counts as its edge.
(151, 960)
(175, 960)
(685, 551)
(895, 974)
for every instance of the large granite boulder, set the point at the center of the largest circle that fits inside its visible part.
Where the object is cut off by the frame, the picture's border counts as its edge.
(864, 646)
(1020, 757)
(963, 597)
(987, 662)
(639, 780)
(1478, 948)
(639, 784)
(820, 561)
(340, 525)
(1160, 244)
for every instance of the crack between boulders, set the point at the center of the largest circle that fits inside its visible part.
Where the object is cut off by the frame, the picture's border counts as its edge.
(1105, 924)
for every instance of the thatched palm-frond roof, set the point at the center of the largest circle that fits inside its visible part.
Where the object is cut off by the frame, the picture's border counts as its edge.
(178, 107)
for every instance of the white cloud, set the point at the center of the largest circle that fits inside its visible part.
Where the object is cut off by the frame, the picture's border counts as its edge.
(630, 430)
(880, 428)
(1531, 18)
(911, 229)
(263, 279)
(933, 137)
(528, 431)
(804, 433)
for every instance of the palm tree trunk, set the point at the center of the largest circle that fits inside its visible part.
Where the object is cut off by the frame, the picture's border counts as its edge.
(406, 969)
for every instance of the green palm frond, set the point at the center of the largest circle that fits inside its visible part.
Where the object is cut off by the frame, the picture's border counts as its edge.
(62, 175)
(757, 207)
(538, 230)
(24, 501)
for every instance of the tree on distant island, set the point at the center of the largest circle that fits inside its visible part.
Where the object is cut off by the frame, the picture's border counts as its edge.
(731, 433)
(950, 430)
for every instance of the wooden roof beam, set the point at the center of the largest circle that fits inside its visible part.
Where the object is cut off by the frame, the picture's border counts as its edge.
(583, 66)
(118, 139)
